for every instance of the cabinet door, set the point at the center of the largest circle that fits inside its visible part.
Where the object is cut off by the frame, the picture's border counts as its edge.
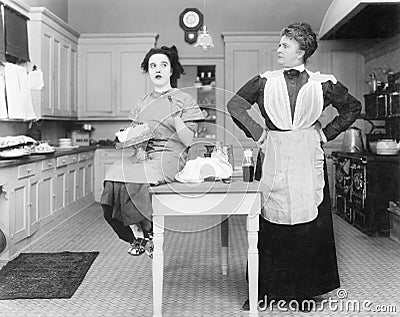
(73, 81)
(59, 189)
(104, 159)
(131, 82)
(109, 75)
(46, 66)
(88, 178)
(56, 69)
(63, 107)
(46, 198)
(80, 179)
(70, 182)
(19, 198)
(33, 208)
(242, 62)
(96, 81)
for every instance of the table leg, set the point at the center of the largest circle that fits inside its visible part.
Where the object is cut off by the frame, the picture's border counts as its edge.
(224, 243)
(158, 264)
(252, 255)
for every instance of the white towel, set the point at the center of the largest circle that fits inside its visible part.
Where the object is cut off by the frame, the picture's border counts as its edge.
(35, 79)
(19, 99)
(199, 169)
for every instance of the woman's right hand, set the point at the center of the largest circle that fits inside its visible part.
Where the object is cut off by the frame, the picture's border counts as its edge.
(176, 106)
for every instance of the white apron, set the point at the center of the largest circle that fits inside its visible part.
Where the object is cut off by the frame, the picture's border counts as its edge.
(293, 168)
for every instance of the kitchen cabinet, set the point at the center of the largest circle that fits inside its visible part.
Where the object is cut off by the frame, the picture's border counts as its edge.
(246, 55)
(19, 199)
(46, 191)
(104, 159)
(37, 196)
(70, 181)
(23, 199)
(53, 47)
(109, 75)
(84, 179)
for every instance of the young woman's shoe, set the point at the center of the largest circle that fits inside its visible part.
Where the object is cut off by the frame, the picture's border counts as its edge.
(149, 247)
(137, 247)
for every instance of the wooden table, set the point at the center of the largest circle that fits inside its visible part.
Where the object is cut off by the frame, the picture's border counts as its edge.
(207, 198)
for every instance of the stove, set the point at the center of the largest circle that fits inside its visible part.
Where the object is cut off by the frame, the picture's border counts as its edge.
(364, 185)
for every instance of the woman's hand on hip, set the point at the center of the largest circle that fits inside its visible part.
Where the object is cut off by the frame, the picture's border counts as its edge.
(262, 138)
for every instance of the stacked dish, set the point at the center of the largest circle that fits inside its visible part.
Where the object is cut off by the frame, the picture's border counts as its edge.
(65, 142)
(387, 147)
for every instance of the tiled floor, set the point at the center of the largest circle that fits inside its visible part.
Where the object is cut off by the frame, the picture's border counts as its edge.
(119, 284)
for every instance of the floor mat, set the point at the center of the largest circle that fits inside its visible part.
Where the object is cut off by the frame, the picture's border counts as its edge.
(44, 275)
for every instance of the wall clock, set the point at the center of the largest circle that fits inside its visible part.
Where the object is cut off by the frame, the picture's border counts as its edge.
(191, 20)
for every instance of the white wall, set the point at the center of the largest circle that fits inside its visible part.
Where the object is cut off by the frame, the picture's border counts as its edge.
(161, 16)
(58, 7)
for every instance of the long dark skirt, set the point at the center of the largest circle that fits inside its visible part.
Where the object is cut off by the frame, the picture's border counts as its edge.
(298, 261)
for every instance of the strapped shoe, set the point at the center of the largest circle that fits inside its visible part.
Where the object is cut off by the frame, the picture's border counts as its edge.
(149, 247)
(137, 247)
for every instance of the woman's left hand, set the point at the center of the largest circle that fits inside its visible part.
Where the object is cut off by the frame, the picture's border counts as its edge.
(176, 107)
(262, 138)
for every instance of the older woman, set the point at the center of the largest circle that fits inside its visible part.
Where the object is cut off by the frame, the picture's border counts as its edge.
(172, 115)
(296, 241)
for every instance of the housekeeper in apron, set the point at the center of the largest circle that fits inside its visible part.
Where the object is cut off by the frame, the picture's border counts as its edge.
(297, 256)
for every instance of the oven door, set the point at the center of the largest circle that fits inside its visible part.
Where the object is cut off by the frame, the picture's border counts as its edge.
(343, 208)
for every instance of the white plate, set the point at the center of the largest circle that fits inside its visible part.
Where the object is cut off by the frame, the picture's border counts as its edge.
(13, 153)
(387, 152)
(67, 147)
(44, 152)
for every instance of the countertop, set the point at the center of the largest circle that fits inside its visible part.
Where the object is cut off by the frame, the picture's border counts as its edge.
(38, 157)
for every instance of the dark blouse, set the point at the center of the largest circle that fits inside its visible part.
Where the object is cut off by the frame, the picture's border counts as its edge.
(252, 92)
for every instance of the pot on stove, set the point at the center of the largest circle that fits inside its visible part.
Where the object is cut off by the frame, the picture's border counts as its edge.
(352, 141)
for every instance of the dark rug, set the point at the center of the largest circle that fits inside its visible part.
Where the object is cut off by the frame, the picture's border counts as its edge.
(44, 275)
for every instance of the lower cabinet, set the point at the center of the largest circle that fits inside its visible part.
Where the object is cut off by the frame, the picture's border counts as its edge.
(105, 158)
(35, 197)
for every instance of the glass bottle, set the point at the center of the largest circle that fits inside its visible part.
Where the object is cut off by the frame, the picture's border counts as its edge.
(218, 151)
(373, 83)
(248, 165)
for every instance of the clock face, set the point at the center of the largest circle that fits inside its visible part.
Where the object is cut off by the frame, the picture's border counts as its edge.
(191, 19)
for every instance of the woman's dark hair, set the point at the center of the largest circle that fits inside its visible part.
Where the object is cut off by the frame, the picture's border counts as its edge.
(172, 54)
(304, 35)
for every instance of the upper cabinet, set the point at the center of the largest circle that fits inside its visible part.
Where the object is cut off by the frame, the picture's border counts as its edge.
(53, 49)
(246, 55)
(110, 79)
(361, 19)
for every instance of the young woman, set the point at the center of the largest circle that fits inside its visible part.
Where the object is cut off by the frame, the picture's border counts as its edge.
(296, 243)
(172, 114)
